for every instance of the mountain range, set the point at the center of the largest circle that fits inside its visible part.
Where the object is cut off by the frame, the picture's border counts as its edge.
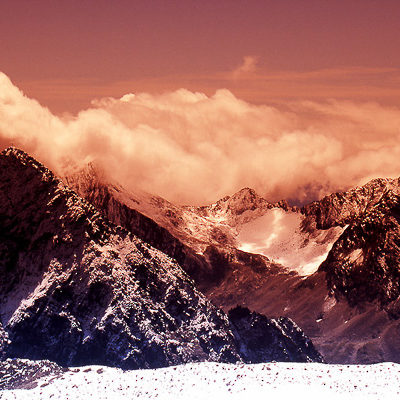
(78, 289)
(331, 265)
(94, 273)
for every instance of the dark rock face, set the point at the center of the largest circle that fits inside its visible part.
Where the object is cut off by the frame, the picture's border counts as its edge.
(76, 289)
(263, 339)
(343, 208)
(364, 264)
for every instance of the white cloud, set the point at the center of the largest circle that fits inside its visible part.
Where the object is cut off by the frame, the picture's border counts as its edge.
(191, 148)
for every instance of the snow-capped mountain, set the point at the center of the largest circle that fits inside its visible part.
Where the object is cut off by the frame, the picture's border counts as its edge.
(77, 289)
(244, 221)
(332, 265)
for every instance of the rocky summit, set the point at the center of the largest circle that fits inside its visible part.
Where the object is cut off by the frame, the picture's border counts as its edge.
(77, 289)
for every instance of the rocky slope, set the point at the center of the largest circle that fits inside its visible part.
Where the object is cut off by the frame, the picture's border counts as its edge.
(244, 222)
(275, 335)
(345, 207)
(77, 289)
(331, 266)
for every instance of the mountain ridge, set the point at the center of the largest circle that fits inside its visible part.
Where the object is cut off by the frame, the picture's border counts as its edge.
(343, 330)
(77, 289)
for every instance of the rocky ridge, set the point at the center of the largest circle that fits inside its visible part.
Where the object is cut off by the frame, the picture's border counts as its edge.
(174, 230)
(349, 306)
(342, 208)
(77, 289)
(363, 265)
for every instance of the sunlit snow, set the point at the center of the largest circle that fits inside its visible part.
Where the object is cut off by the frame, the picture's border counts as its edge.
(278, 236)
(221, 381)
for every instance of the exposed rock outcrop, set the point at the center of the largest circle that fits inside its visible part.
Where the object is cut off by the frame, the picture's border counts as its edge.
(364, 264)
(263, 339)
(77, 289)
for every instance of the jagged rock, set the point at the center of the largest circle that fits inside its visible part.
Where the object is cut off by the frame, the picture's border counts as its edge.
(343, 208)
(263, 339)
(77, 289)
(364, 264)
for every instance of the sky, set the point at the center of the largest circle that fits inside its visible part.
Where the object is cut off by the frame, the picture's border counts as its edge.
(194, 100)
(65, 53)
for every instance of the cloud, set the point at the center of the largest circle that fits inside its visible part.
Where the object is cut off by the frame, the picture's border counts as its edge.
(192, 148)
(248, 66)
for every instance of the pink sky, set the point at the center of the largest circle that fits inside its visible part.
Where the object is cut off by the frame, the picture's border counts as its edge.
(65, 53)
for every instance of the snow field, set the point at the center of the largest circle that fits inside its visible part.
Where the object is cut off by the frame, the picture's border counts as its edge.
(278, 236)
(221, 381)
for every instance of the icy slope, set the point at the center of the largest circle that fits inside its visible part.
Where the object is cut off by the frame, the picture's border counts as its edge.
(206, 381)
(280, 236)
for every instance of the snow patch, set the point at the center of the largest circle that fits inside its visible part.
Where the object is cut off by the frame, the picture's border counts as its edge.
(278, 235)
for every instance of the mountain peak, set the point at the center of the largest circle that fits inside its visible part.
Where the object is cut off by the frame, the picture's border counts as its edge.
(245, 191)
(12, 160)
(17, 153)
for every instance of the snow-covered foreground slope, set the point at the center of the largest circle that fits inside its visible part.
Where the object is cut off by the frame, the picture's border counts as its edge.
(221, 381)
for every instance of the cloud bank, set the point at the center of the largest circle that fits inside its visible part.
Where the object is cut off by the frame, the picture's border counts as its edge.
(194, 149)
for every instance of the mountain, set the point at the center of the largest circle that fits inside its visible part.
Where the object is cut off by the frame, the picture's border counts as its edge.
(349, 306)
(77, 289)
(342, 208)
(232, 229)
(332, 266)
(363, 265)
